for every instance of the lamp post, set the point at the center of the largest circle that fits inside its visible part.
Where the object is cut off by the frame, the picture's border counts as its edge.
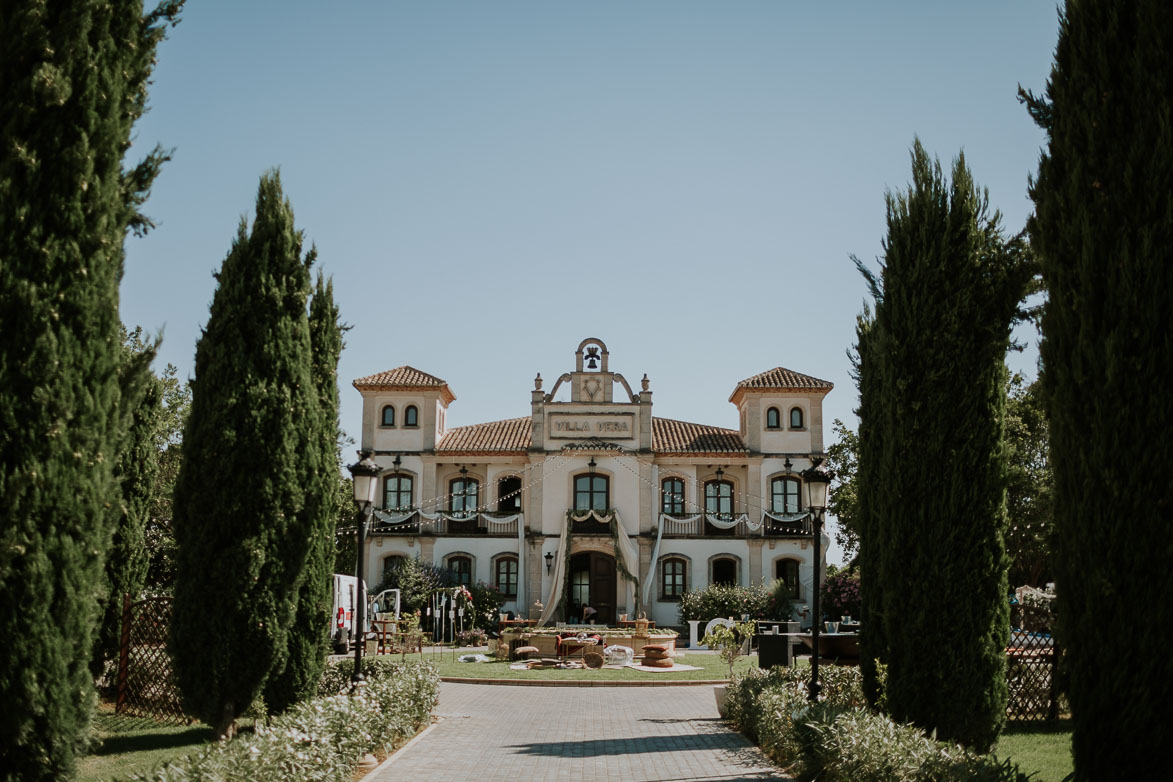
(549, 561)
(817, 479)
(366, 482)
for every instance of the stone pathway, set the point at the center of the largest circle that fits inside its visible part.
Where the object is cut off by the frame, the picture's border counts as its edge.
(562, 734)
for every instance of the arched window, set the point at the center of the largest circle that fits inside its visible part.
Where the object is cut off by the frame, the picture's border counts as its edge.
(397, 492)
(719, 498)
(773, 419)
(391, 564)
(592, 492)
(724, 571)
(796, 418)
(411, 416)
(509, 495)
(784, 496)
(505, 576)
(786, 571)
(388, 418)
(672, 495)
(673, 577)
(464, 491)
(461, 568)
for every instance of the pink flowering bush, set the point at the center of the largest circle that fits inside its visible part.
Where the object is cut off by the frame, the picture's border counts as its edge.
(841, 595)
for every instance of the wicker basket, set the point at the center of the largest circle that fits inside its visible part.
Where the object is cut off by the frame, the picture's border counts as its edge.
(592, 659)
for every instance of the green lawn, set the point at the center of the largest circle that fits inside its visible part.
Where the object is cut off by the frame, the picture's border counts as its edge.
(712, 667)
(1044, 749)
(126, 745)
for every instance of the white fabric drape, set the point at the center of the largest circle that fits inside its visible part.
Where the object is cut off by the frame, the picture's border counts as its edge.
(556, 583)
(627, 552)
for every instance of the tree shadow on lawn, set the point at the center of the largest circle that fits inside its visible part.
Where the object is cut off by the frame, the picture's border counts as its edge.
(1063, 725)
(147, 740)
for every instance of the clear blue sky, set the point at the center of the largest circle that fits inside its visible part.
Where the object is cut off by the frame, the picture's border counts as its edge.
(490, 182)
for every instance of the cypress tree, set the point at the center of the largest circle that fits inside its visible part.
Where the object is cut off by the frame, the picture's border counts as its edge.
(309, 638)
(242, 519)
(865, 367)
(949, 289)
(73, 78)
(135, 471)
(1103, 228)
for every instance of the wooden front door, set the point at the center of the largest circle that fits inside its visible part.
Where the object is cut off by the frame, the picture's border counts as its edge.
(598, 571)
(603, 587)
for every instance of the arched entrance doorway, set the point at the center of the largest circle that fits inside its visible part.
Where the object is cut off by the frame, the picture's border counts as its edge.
(592, 582)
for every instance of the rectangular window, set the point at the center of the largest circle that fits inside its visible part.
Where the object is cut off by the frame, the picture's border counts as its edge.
(672, 493)
(672, 579)
(507, 576)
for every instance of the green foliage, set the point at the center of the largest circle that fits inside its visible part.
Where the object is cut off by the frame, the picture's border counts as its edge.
(840, 739)
(1028, 495)
(247, 501)
(841, 744)
(159, 533)
(949, 289)
(730, 642)
(73, 81)
(842, 499)
(731, 601)
(416, 580)
(762, 704)
(486, 605)
(1103, 228)
(309, 637)
(135, 470)
(322, 739)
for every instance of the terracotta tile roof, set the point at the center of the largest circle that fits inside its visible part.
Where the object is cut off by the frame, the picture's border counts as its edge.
(511, 435)
(780, 378)
(670, 436)
(406, 378)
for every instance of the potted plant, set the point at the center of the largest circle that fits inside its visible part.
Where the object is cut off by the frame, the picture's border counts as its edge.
(730, 641)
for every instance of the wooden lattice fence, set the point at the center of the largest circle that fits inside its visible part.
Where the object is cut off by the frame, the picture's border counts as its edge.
(146, 681)
(1031, 660)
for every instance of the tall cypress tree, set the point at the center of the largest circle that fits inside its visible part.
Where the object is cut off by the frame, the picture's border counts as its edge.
(949, 289)
(1104, 231)
(868, 496)
(309, 637)
(73, 79)
(242, 520)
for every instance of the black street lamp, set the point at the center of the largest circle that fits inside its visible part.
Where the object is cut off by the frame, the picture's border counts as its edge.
(366, 482)
(817, 479)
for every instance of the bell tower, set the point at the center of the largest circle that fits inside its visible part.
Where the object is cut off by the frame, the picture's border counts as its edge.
(591, 382)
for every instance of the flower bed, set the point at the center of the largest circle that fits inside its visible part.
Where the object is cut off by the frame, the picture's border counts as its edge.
(325, 738)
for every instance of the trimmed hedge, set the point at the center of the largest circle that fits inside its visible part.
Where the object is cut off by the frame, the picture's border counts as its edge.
(321, 740)
(840, 739)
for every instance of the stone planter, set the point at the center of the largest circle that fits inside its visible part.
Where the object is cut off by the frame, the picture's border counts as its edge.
(721, 691)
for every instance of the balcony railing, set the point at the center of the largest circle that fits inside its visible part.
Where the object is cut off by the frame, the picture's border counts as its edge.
(413, 521)
(735, 525)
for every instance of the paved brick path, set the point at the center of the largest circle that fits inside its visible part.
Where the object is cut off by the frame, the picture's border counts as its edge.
(532, 734)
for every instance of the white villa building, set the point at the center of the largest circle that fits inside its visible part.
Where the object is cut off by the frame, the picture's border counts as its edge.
(595, 500)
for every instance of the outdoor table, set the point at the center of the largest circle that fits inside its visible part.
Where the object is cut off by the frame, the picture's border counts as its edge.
(841, 647)
(631, 623)
(570, 646)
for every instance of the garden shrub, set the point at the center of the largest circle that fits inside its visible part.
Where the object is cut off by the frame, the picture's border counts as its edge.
(841, 596)
(723, 600)
(842, 744)
(840, 739)
(322, 739)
